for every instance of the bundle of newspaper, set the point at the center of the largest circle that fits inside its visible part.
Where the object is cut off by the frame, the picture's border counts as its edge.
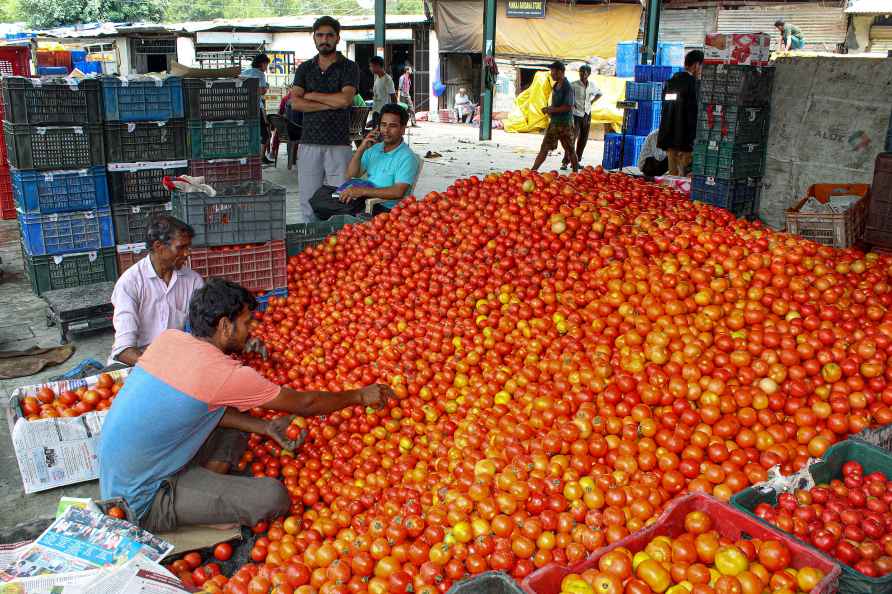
(836, 204)
(81, 544)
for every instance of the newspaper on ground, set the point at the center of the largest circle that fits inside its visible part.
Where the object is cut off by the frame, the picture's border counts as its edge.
(137, 575)
(57, 451)
(80, 502)
(81, 540)
(48, 584)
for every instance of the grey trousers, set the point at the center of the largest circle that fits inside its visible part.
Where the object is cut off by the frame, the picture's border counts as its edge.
(195, 495)
(318, 165)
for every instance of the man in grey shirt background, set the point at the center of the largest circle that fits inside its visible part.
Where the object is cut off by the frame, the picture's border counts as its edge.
(323, 91)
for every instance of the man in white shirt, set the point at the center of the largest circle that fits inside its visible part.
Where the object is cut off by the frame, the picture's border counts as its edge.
(383, 91)
(653, 161)
(585, 93)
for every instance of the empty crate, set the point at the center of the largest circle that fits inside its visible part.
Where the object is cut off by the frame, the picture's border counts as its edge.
(55, 101)
(132, 220)
(224, 139)
(140, 183)
(49, 273)
(48, 192)
(142, 99)
(54, 147)
(222, 99)
(67, 232)
(740, 197)
(133, 142)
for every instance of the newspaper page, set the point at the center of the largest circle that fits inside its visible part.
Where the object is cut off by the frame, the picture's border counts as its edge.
(48, 584)
(81, 540)
(137, 575)
(58, 451)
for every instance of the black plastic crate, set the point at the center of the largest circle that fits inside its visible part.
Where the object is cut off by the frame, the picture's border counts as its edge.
(145, 141)
(221, 99)
(47, 148)
(300, 236)
(488, 582)
(49, 273)
(54, 101)
(735, 84)
(249, 212)
(140, 183)
(740, 197)
(131, 220)
(732, 123)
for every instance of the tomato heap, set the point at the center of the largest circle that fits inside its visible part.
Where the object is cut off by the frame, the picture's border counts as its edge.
(698, 561)
(71, 403)
(568, 355)
(849, 518)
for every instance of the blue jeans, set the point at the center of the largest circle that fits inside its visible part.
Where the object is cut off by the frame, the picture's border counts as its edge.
(796, 43)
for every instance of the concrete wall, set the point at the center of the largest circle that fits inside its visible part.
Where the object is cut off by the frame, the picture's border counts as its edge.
(301, 43)
(186, 51)
(829, 117)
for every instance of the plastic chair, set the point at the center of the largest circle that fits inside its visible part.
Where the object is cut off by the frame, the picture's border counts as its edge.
(358, 117)
(371, 202)
(280, 124)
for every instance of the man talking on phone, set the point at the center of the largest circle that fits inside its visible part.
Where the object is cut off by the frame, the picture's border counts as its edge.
(383, 167)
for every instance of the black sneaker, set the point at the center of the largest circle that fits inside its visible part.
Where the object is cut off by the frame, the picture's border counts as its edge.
(267, 161)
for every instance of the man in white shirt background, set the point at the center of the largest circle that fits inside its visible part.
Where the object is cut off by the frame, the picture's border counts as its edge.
(383, 91)
(463, 106)
(585, 93)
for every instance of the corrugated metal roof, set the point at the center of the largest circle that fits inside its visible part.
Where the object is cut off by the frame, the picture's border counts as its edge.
(822, 26)
(687, 26)
(869, 7)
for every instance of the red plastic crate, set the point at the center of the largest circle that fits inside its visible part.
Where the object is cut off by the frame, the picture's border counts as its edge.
(54, 58)
(7, 203)
(15, 60)
(229, 171)
(257, 267)
(728, 521)
(129, 254)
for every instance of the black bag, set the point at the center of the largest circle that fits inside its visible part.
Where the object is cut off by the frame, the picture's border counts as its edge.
(326, 206)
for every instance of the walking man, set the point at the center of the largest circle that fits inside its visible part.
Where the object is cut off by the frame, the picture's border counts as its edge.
(383, 91)
(560, 126)
(324, 89)
(585, 93)
(406, 93)
(678, 125)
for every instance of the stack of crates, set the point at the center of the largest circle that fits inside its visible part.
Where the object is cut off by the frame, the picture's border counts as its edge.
(240, 232)
(53, 137)
(145, 139)
(15, 60)
(732, 130)
(646, 91)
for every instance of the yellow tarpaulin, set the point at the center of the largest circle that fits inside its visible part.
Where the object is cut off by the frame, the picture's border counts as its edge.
(571, 32)
(528, 117)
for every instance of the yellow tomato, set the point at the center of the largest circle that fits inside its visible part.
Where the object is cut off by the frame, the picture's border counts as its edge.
(574, 584)
(731, 561)
(639, 558)
(652, 573)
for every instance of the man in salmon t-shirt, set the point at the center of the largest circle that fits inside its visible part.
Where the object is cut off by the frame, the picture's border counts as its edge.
(176, 429)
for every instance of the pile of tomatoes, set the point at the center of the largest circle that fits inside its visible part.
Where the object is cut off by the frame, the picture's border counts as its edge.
(569, 353)
(698, 561)
(71, 403)
(849, 519)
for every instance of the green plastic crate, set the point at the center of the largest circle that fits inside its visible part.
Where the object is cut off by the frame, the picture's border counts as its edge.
(224, 140)
(301, 235)
(728, 160)
(732, 123)
(873, 459)
(48, 273)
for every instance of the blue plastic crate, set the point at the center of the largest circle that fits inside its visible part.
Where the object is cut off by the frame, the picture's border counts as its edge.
(644, 91)
(648, 117)
(741, 197)
(49, 192)
(631, 149)
(143, 99)
(628, 55)
(78, 56)
(52, 70)
(670, 53)
(88, 67)
(644, 72)
(263, 300)
(663, 73)
(67, 232)
(630, 121)
(612, 144)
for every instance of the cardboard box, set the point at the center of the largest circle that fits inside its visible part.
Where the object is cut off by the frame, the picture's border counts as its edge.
(751, 49)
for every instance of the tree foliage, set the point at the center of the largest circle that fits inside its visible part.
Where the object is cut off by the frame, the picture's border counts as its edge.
(54, 13)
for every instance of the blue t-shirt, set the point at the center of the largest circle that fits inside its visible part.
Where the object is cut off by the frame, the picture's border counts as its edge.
(263, 84)
(399, 166)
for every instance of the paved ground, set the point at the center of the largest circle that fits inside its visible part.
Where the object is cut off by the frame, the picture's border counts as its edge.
(23, 318)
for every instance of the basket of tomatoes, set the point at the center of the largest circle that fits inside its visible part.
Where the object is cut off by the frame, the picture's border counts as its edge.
(699, 545)
(847, 514)
(65, 398)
